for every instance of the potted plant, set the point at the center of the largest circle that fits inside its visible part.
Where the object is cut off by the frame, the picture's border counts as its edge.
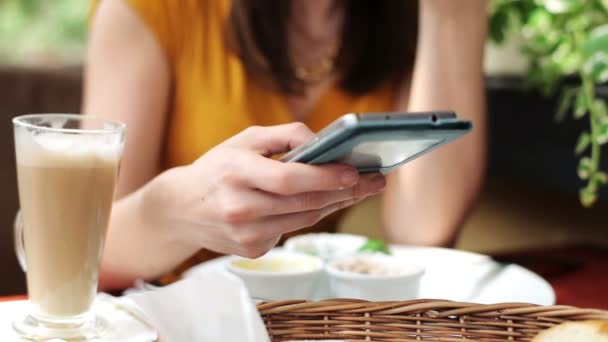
(566, 44)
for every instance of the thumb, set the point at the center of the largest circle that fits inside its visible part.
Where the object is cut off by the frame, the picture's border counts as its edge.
(272, 140)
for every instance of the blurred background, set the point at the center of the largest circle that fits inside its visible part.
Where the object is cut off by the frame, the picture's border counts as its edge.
(533, 195)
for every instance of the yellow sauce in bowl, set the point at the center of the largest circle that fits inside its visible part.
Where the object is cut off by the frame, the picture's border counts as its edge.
(287, 264)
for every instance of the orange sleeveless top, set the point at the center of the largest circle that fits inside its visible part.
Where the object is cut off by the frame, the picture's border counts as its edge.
(213, 97)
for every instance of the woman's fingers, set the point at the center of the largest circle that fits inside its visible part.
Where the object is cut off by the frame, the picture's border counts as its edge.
(258, 171)
(271, 140)
(293, 178)
(368, 185)
(241, 206)
(252, 235)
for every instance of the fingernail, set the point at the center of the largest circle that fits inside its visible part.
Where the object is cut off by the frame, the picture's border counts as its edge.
(349, 177)
(377, 183)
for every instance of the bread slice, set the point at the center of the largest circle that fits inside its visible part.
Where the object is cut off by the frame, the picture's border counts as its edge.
(584, 331)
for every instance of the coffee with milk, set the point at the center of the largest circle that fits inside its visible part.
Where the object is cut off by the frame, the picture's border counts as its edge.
(66, 185)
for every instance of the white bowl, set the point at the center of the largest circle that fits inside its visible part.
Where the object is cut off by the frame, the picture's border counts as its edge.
(402, 283)
(278, 275)
(326, 245)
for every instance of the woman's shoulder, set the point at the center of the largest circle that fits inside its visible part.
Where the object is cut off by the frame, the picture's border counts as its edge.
(175, 22)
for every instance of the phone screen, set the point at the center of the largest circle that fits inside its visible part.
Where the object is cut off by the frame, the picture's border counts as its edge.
(386, 153)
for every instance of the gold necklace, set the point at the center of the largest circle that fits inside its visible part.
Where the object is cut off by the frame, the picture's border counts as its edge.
(320, 69)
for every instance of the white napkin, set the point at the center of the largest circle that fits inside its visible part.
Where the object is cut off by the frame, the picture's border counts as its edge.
(208, 307)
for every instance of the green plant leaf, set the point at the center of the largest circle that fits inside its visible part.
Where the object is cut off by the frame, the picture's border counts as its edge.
(580, 106)
(498, 25)
(585, 168)
(584, 140)
(565, 102)
(546, 75)
(600, 109)
(597, 41)
(580, 22)
(538, 32)
(561, 52)
(602, 131)
(378, 246)
(571, 63)
(588, 196)
(561, 6)
(600, 178)
(541, 35)
(539, 19)
(597, 67)
(28, 7)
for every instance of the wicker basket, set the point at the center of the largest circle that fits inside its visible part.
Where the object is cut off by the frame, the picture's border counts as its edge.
(417, 320)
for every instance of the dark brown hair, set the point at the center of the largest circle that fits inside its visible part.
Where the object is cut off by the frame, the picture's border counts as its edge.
(377, 46)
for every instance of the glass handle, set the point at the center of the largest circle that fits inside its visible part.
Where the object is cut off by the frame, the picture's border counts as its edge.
(19, 248)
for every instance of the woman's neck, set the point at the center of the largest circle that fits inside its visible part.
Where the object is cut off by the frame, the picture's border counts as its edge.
(315, 21)
(314, 30)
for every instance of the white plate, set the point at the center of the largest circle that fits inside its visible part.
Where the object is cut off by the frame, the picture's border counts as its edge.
(456, 275)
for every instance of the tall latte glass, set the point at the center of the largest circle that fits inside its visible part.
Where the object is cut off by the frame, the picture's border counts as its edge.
(67, 167)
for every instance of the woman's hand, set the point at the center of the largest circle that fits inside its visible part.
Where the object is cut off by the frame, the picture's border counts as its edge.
(237, 200)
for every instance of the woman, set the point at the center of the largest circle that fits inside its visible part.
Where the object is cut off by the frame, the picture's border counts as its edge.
(188, 76)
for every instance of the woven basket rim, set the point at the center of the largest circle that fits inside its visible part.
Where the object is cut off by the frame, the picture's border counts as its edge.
(421, 319)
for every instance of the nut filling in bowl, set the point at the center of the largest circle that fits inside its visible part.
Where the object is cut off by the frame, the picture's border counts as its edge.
(374, 265)
(374, 277)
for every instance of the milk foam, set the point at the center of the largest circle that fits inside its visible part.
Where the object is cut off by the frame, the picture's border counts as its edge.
(50, 149)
